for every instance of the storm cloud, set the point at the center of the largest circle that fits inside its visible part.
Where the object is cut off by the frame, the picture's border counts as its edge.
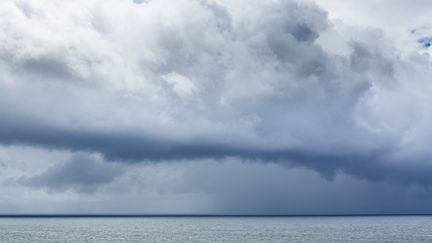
(262, 81)
(81, 173)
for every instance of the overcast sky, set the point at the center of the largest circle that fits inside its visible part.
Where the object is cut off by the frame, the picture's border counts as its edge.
(215, 106)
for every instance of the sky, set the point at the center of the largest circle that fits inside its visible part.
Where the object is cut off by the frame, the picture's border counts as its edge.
(215, 107)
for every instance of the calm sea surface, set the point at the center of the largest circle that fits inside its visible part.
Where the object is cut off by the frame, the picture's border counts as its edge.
(236, 229)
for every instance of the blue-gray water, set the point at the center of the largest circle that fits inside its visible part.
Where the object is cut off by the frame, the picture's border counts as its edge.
(224, 229)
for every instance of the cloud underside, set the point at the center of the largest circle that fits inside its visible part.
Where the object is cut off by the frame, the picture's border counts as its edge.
(268, 82)
(371, 165)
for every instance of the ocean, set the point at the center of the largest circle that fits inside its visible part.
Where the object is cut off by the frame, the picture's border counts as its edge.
(218, 229)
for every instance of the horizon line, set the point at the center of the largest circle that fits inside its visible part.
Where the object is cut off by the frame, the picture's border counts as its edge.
(202, 215)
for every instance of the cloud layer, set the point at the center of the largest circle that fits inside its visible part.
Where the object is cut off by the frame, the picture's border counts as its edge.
(268, 81)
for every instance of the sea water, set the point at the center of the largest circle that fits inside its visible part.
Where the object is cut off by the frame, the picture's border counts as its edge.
(218, 229)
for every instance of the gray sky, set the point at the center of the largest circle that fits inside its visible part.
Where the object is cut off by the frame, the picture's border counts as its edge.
(215, 106)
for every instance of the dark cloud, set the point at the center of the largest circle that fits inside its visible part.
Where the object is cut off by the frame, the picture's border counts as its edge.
(82, 173)
(426, 42)
(47, 68)
(371, 165)
(299, 191)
